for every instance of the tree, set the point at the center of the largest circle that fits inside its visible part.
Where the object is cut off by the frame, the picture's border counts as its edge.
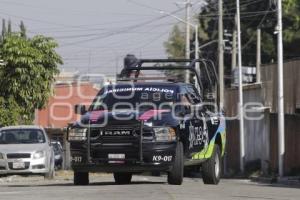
(10, 111)
(23, 30)
(9, 27)
(175, 46)
(31, 65)
(3, 33)
(291, 28)
(8, 30)
(254, 14)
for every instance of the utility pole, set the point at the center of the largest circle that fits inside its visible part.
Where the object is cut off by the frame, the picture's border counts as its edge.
(258, 56)
(234, 45)
(281, 147)
(233, 54)
(221, 55)
(241, 103)
(187, 42)
(197, 48)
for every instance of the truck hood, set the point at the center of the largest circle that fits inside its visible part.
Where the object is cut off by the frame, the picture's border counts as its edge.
(128, 117)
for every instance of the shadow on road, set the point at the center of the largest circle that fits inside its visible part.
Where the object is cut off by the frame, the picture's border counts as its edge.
(275, 184)
(91, 184)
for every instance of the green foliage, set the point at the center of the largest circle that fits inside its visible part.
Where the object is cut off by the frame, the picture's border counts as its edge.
(175, 46)
(253, 15)
(23, 30)
(9, 28)
(30, 67)
(9, 111)
(3, 33)
(291, 28)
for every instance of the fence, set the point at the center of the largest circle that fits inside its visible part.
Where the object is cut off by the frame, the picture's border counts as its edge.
(261, 135)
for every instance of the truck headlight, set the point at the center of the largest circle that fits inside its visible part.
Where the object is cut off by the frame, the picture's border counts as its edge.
(1, 156)
(77, 134)
(39, 154)
(164, 134)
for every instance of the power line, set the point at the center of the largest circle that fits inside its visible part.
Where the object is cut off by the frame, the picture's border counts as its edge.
(56, 8)
(229, 7)
(144, 5)
(100, 57)
(113, 44)
(121, 31)
(258, 26)
(244, 14)
(151, 41)
(36, 20)
(97, 34)
(83, 26)
(243, 4)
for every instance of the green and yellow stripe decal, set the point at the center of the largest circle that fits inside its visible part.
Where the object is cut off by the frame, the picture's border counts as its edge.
(208, 150)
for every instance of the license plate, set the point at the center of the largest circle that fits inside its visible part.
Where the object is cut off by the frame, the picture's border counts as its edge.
(18, 165)
(116, 156)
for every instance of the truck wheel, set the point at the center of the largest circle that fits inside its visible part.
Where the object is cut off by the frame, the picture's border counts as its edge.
(122, 178)
(175, 176)
(211, 169)
(81, 178)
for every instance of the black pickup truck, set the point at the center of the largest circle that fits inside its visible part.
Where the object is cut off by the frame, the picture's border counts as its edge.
(139, 126)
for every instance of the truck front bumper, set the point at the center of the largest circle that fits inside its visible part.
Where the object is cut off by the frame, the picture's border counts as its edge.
(155, 157)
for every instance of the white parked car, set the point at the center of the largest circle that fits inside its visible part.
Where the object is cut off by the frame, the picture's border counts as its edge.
(25, 150)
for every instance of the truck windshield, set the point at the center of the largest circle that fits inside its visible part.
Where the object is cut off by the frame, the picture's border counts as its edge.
(141, 97)
(21, 136)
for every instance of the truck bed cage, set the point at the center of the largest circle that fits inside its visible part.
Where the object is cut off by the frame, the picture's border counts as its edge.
(206, 74)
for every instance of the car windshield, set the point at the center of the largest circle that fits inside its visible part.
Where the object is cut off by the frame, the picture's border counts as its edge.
(22, 136)
(141, 97)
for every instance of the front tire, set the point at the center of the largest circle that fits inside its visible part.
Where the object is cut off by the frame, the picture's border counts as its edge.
(211, 169)
(175, 176)
(81, 178)
(122, 178)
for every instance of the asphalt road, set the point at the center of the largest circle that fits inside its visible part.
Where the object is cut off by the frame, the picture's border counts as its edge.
(142, 188)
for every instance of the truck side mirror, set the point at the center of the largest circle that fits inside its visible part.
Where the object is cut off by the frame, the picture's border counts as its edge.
(80, 109)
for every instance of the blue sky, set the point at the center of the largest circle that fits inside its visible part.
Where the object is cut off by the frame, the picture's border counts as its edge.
(95, 35)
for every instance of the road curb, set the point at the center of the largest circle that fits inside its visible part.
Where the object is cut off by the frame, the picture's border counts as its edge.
(292, 181)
